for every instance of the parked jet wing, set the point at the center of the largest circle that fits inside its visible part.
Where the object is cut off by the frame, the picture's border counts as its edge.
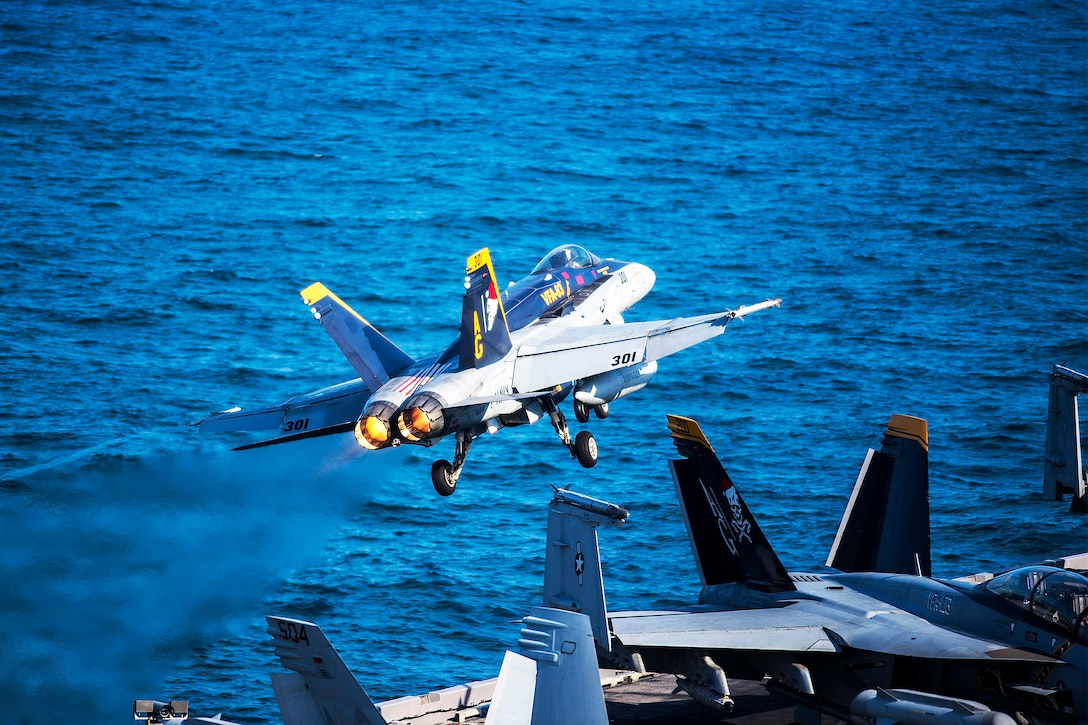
(811, 627)
(573, 353)
(733, 630)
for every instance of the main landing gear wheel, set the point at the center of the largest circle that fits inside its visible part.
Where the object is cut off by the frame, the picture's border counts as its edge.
(444, 474)
(442, 478)
(585, 449)
(601, 411)
(581, 411)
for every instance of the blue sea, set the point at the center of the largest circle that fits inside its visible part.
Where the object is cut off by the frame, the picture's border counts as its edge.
(911, 178)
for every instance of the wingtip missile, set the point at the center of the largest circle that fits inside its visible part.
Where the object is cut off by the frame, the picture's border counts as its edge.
(744, 310)
(616, 513)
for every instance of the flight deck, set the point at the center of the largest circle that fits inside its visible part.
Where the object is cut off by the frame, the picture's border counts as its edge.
(631, 698)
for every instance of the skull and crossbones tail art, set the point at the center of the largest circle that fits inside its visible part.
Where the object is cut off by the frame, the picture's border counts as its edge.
(742, 527)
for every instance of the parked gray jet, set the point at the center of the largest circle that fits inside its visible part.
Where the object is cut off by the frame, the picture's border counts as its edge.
(880, 642)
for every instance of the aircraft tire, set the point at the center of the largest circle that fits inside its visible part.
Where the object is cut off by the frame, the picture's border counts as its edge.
(585, 449)
(441, 479)
(601, 411)
(581, 411)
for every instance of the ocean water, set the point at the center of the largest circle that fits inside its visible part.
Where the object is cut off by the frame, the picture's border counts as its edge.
(911, 179)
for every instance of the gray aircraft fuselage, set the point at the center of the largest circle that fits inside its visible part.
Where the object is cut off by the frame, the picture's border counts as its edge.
(861, 630)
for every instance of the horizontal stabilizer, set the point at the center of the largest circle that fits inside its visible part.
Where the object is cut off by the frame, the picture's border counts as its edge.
(316, 433)
(336, 696)
(309, 413)
(371, 353)
(885, 527)
(236, 419)
(727, 542)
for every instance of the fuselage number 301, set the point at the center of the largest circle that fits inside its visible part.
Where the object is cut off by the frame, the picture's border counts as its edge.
(294, 426)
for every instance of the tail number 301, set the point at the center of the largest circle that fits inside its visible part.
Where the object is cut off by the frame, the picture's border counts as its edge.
(625, 359)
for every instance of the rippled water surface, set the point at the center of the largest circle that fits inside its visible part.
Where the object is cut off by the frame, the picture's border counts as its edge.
(910, 179)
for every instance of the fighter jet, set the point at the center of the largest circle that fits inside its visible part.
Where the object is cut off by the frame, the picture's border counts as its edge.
(518, 355)
(863, 645)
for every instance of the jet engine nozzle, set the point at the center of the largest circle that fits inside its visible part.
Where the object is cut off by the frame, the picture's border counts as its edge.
(373, 430)
(421, 417)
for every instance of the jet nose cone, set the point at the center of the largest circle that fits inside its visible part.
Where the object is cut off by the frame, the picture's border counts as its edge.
(641, 278)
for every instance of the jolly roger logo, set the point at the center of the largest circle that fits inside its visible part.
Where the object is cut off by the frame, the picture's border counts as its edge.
(741, 525)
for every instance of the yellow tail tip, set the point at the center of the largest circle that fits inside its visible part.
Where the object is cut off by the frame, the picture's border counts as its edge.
(314, 292)
(907, 426)
(686, 429)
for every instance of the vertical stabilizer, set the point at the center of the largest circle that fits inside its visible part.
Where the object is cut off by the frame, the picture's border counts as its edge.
(323, 690)
(572, 563)
(1064, 471)
(556, 645)
(485, 336)
(515, 692)
(727, 542)
(886, 524)
(371, 353)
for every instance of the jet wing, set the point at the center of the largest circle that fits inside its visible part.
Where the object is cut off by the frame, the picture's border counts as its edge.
(573, 353)
(333, 409)
(807, 626)
(747, 630)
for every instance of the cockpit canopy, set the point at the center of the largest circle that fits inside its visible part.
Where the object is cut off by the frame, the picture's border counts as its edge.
(568, 255)
(1056, 595)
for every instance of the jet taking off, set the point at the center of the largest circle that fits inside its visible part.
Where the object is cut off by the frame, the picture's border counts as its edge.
(876, 643)
(519, 354)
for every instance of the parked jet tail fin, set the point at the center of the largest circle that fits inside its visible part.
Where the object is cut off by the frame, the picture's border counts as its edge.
(727, 542)
(554, 679)
(323, 690)
(371, 353)
(885, 527)
(572, 563)
(485, 335)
